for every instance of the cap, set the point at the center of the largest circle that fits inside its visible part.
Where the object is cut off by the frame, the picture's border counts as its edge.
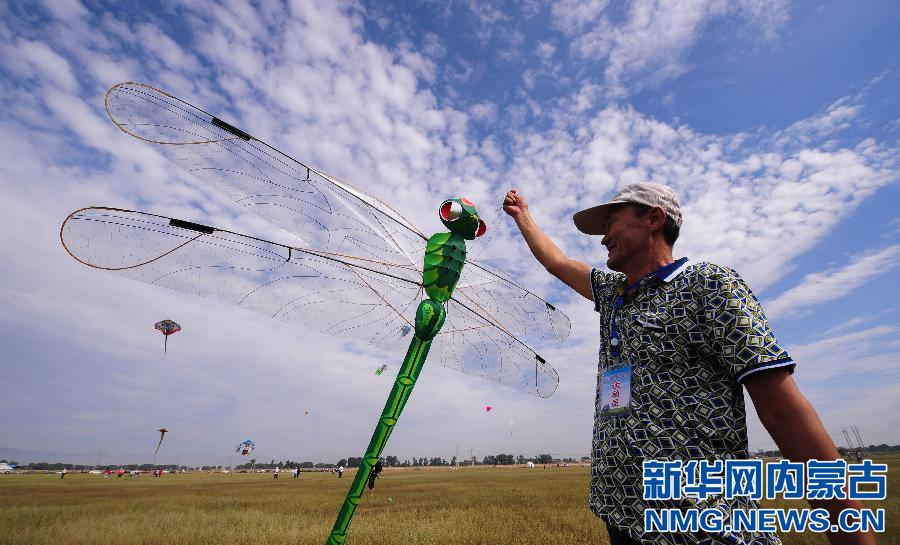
(593, 220)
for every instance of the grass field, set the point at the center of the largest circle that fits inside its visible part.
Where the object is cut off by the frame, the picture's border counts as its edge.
(518, 506)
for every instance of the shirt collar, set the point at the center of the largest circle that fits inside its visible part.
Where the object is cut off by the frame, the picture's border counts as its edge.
(666, 274)
(671, 271)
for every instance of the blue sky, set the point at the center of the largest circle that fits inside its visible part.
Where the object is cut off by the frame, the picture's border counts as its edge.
(776, 122)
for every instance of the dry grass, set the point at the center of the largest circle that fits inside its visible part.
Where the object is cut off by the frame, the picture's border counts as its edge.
(465, 507)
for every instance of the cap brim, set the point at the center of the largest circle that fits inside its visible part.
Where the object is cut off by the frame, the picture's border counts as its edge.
(592, 221)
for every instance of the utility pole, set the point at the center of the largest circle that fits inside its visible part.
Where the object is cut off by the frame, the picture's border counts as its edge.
(862, 445)
(472, 456)
(850, 448)
(457, 457)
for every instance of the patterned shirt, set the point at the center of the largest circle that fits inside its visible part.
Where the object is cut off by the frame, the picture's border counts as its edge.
(691, 334)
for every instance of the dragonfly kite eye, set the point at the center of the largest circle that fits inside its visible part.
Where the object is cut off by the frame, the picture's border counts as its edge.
(482, 228)
(451, 210)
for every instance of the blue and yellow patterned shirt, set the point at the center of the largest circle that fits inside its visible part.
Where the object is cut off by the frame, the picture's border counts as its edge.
(691, 334)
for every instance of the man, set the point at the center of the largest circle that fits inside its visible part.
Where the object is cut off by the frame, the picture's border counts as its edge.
(376, 472)
(678, 340)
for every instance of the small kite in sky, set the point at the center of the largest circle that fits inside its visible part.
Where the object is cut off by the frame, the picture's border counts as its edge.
(167, 327)
(381, 369)
(487, 409)
(246, 447)
(162, 433)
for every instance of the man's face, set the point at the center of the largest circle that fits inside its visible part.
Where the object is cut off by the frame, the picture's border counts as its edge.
(627, 237)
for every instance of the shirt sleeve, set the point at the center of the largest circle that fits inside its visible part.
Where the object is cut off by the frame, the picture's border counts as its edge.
(600, 283)
(737, 330)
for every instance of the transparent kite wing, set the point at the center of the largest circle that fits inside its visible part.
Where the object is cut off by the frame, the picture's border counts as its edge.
(335, 221)
(346, 297)
(324, 213)
(487, 319)
(474, 345)
(510, 306)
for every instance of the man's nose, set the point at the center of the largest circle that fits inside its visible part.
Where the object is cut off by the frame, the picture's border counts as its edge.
(605, 239)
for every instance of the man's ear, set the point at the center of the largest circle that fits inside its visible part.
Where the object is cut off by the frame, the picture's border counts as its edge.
(657, 218)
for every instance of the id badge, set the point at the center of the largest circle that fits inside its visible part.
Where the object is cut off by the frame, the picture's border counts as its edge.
(615, 391)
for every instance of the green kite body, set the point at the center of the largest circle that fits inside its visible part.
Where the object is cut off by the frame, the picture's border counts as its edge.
(445, 254)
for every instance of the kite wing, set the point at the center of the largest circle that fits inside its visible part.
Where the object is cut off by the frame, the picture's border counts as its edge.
(338, 295)
(356, 275)
(488, 317)
(324, 213)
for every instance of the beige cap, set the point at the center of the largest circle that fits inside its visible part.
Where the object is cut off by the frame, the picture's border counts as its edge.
(593, 220)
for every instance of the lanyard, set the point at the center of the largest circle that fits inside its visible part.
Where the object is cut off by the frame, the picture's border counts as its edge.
(614, 331)
(614, 340)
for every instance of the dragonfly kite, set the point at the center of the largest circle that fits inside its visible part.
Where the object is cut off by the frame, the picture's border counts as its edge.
(361, 270)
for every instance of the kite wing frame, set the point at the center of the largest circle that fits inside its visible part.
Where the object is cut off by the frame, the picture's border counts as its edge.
(358, 243)
(321, 211)
(336, 294)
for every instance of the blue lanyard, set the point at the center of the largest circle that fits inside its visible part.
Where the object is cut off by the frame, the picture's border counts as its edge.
(614, 341)
(614, 331)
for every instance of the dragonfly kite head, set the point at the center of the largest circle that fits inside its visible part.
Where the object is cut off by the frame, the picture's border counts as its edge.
(459, 215)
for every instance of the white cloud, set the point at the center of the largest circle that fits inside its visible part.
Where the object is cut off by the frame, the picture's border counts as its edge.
(65, 9)
(821, 287)
(166, 50)
(837, 116)
(752, 202)
(545, 50)
(851, 378)
(572, 16)
(652, 42)
(433, 46)
(484, 111)
(36, 59)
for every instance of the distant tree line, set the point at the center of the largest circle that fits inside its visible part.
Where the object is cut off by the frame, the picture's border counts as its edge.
(387, 461)
(844, 451)
(48, 466)
(393, 461)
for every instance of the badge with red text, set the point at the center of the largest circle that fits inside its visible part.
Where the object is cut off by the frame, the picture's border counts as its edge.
(615, 391)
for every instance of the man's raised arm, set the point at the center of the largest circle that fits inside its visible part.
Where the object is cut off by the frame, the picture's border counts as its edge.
(573, 273)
